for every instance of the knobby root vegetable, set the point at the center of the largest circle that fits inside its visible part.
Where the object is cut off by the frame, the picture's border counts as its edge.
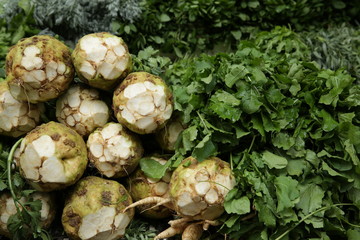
(140, 186)
(101, 60)
(81, 109)
(143, 102)
(38, 69)
(114, 150)
(197, 191)
(52, 156)
(17, 117)
(168, 135)
(8, 208)
(95, 210)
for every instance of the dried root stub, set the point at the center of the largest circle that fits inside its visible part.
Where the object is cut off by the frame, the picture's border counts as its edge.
(17, 117)
(52, 157)
(38, 69)
(140, 186)
(102, 60)
(94, 210)
(143, 102)
(114, 150)
(81, 109)
(8, 208)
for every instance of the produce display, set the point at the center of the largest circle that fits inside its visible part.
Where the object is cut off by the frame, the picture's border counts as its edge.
(192, 120)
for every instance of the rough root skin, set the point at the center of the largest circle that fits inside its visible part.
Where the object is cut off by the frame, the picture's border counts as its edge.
(199, 189)
(81, 109)
(102, 60)
(114, 151)
(17, 117)
(52, 157)
(39, 69)
(143, 102)
(95, 210)
(140, 186)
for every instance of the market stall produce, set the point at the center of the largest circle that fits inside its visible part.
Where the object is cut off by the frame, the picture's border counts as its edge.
(190, 120)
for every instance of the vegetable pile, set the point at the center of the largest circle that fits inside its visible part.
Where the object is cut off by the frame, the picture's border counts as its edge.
(168, 120)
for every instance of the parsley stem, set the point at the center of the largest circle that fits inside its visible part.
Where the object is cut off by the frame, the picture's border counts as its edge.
(203, 122)
(310, 215)
(9, 162)
(251, 144)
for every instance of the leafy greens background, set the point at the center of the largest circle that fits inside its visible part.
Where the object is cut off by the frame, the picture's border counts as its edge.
(289, 129)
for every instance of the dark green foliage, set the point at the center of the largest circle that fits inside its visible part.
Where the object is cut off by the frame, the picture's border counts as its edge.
(139, 229)
(197, 26)
(336, 47)
(73, 18)
(17, 19)
(282, 41)
(290, 130)
(16, 22)
(5, 42)
(178, 27)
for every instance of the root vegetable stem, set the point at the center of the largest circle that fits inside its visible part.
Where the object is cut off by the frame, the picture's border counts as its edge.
(149, 200)
(171, 231)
